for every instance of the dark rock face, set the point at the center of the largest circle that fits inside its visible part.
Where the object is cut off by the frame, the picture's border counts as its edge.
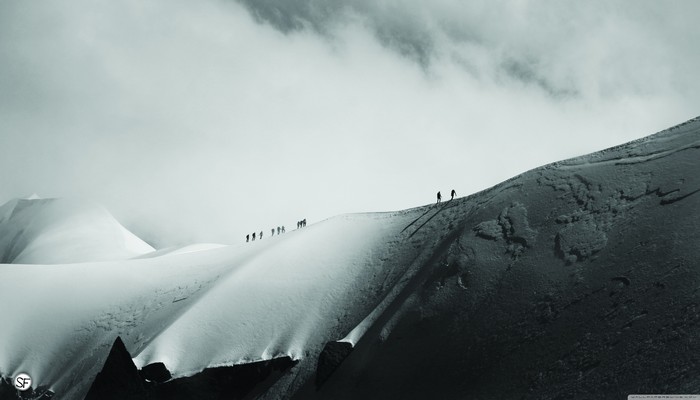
(235, 382)
(8, 392)
(331, 356)
(575, 280)
(119, 378)
(156, 372)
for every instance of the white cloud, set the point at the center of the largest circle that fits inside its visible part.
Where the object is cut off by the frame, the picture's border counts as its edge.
(194, 122)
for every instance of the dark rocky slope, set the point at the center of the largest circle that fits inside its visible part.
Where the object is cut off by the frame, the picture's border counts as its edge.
(579, 279)
(120, 380)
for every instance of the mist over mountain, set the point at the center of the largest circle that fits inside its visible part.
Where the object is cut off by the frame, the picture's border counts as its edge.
(206, 121)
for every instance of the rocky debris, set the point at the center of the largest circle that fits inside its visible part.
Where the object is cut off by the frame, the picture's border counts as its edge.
(120, 380)
(331, 356)
(156, 372)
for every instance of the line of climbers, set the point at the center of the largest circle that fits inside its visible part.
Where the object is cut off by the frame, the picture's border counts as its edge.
(302, 223)
(280, 230)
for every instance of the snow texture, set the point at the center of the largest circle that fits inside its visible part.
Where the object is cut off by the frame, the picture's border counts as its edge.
(576, 279)
(60, 231)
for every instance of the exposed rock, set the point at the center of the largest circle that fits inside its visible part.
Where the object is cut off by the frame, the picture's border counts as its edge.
(235, 382)
(331, 356)
(156, 372)
(8, 392)
(119, 378)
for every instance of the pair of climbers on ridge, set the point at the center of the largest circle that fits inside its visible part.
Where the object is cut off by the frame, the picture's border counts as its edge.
(439, 196)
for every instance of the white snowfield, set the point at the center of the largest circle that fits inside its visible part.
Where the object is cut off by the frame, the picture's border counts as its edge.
(60, 231)
(194, 308)
(73, 279)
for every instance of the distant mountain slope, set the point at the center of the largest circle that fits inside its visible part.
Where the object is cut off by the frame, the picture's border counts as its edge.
(284, 295)
(580, 279)
(57, 231)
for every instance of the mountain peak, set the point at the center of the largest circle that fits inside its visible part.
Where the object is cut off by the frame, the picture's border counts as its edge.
(51, 231)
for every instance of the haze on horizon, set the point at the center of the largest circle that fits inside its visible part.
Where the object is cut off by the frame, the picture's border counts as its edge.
(204, 121)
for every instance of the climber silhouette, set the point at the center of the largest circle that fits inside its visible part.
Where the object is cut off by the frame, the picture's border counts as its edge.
(261, 235)
(247, 238)
(273, 232)
(439, 197)
(453, 194)
(253, 236)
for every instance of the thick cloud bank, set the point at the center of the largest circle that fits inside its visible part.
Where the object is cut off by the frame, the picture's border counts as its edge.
(178, 115)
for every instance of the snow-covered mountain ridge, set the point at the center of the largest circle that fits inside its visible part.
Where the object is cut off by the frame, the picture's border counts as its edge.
(61, 231)
(576, 279)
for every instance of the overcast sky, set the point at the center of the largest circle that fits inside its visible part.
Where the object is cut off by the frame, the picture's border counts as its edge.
(207, 120)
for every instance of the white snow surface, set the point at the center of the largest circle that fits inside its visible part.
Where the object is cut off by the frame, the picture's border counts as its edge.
(195, 308)
(205, 305)
(59, 231)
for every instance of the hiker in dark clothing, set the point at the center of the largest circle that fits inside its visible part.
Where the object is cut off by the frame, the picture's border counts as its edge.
(303, 222)
(439, 197)
(283, 229)
(278, 230)
(253, 236)
(260, 235)
(453, 194)
(273, 232)
(298, 224)
(247, 238)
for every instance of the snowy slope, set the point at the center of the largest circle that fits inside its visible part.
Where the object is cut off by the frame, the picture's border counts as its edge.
(577, 279)
(57, 231)
(284, 295)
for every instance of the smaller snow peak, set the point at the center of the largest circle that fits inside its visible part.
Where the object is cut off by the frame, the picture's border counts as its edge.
(58, 230)
(32, 196)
